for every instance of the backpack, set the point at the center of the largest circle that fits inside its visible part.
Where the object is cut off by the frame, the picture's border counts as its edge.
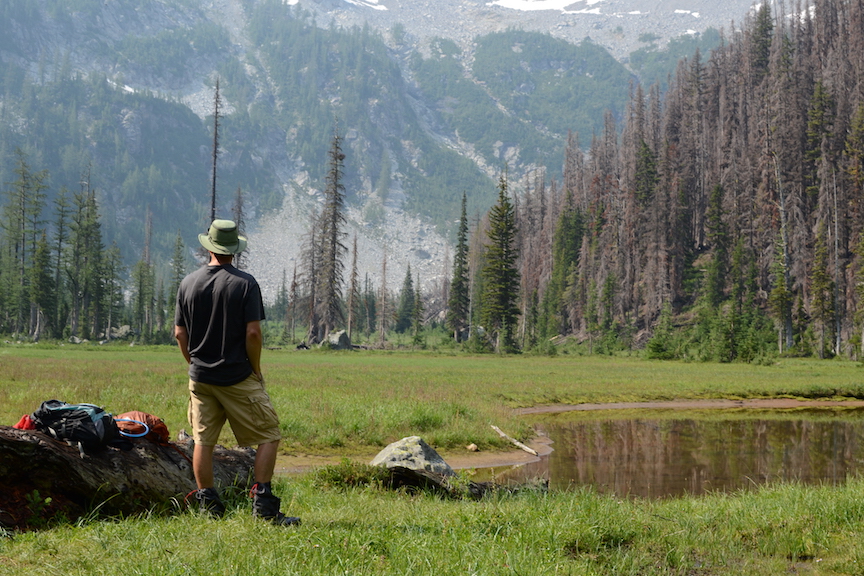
(137, 424)
(89, 427)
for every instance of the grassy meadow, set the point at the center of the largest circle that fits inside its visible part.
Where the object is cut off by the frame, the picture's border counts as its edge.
(352, 403)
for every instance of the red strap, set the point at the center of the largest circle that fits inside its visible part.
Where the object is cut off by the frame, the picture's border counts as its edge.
(26, 423)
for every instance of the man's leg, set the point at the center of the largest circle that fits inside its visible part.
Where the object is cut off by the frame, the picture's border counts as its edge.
(206, 495)
(202, 465)
(265, 461)
(264, 503)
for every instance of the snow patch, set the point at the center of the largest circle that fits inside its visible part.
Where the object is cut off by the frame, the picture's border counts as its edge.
(367, 4)
(559, 5)
(694, 14)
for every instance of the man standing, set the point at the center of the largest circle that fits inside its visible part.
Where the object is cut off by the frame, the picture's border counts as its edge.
(217, 323)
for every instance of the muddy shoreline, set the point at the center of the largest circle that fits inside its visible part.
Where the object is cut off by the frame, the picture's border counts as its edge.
(299, 463)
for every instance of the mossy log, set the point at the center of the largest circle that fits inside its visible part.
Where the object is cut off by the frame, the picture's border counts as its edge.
(42, 478)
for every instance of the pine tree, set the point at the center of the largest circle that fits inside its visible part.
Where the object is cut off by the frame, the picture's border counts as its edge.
(114, 273)
(458, 302)
(417, 315)
(217, 102)
(239, 216)
(310, 259)
(645, 178)
(42, 288)
(501, 277)
(405, 311)
(822, 291)
(353, 290)
(178, 266)
(61, 236)
(84, 263)
(23, 226)
(566, 248)
(718, 237)
(332, 247)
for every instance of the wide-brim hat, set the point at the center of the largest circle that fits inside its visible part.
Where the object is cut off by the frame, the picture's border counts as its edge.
(222, 238)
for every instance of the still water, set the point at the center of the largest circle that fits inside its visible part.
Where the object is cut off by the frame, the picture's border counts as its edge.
(654, 455)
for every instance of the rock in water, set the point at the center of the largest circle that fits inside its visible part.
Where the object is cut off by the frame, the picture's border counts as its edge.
(412, 453)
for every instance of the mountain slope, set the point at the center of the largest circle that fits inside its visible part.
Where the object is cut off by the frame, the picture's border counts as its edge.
(122, 90)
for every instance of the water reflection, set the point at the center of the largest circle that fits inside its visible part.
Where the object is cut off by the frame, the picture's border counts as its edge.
(658, 457)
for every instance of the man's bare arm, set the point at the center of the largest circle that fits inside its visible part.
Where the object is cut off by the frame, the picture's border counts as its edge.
(254, 342)
(182, 337)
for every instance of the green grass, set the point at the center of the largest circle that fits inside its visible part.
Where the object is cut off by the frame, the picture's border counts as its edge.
(367, 530)
(352, 403)
(346, 403)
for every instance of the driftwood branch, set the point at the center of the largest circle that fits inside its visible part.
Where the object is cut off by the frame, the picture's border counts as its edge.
(514, 441)
(41, 477)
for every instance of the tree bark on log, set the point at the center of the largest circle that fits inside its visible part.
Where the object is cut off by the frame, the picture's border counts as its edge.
(43, 478)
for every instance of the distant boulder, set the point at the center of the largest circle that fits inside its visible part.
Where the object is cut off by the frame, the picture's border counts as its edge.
(339, 340)
(412, 453)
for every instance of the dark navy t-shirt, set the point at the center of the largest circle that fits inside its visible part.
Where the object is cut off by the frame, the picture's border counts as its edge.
(214, 304)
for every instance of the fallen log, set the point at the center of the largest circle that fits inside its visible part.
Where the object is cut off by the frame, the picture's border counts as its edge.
(43, 478)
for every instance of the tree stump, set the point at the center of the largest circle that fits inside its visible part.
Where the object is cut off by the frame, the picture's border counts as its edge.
(43, 478)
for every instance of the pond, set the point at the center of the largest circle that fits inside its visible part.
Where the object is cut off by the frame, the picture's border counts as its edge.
(660, 453)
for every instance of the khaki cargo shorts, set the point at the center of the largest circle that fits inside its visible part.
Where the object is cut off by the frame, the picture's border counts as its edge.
(245, 405)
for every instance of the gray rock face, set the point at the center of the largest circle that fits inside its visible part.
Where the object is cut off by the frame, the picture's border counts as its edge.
(412, 453)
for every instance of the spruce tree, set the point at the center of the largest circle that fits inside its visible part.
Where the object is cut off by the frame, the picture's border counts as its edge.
(718, 237)
(405, 311)
(459, 300)
(417, 314)
(178, 266)
(822, 291)
(501, 277)
(332, 247)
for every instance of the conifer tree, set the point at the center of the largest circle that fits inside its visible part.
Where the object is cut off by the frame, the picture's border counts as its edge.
(178, 267)
(501, 277)
(822, 291)
(239, 215)
(333, 249)
(84, 263)
(22, 226)
(61, 236)
(42, 288)
(417, 314)
(353, 290)
(405, 311)
(114, 276)
(458, 301)
(718, 237)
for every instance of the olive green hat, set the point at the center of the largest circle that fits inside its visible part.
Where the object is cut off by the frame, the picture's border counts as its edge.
(222, 238)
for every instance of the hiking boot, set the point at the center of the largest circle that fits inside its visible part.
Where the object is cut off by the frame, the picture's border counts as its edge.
(209, 501)
(266, 506)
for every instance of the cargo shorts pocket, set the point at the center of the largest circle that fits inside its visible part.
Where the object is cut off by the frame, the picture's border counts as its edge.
(262, 412)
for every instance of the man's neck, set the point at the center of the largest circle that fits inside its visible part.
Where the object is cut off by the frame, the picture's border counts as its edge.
(220, 259)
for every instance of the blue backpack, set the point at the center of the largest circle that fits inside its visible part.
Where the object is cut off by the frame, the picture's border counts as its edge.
(86, 426)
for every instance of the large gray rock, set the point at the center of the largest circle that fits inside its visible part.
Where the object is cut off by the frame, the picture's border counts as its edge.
(412, 453)
(339, 340)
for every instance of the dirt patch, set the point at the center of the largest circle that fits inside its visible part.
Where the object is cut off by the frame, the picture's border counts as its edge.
(754, 403)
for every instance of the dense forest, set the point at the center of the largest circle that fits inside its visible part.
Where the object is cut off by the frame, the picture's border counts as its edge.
(723, 220)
